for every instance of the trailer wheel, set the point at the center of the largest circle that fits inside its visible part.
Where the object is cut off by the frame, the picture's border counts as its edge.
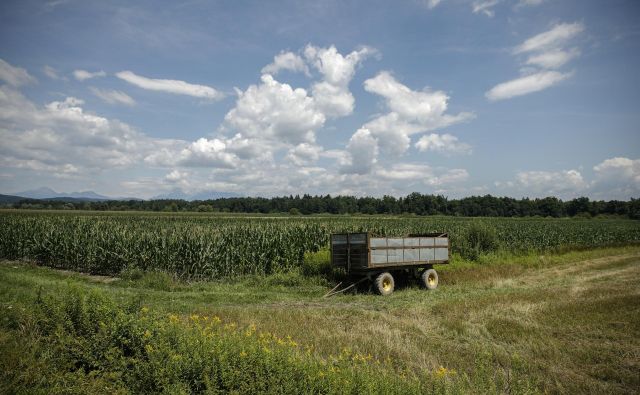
(429, 279)
(384, 284)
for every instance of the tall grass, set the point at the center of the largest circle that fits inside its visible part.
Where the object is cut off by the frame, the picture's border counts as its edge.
(211, 247)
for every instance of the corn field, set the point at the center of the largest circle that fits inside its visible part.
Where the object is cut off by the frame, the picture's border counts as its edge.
(208, 246)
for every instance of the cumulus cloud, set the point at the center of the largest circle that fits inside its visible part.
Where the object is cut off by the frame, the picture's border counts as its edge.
(362, 153)
(171, 86)
(277, 112)
(527, 84)
(82, 75)
(442, 143)
(205, 153)
(546, 52)
(410, 112)
(332, 95)
(266, 145)
(552, 183)
(422, 174)
(15, 76)
(62, 138)
(614, 178)
(617, 177)
(304, 154)
(286, 61)
(485, 7)
(113, 97)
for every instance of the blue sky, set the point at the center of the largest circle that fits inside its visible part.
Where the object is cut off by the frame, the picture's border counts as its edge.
(455, 97)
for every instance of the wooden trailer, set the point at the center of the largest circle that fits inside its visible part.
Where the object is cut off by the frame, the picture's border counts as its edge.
(378, 259)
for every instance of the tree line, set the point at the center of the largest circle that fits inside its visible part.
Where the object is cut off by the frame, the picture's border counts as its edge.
(414, 203)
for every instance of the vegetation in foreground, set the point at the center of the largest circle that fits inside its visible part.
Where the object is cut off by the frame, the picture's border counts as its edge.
(209, 247)
(560, 323)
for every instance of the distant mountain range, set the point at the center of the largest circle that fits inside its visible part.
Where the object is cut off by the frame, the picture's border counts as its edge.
(45, 193)
(48, 193)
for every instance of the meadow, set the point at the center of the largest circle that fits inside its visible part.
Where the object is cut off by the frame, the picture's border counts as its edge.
(175, 303)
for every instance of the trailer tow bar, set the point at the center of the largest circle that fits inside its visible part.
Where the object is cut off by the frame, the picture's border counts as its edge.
(334, 292)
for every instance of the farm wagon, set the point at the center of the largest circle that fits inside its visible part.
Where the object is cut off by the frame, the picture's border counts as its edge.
(378, 259)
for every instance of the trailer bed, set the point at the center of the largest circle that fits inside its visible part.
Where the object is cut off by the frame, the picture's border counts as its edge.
(362, 252)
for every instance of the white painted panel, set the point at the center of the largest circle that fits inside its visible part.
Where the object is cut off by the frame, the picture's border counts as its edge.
(426, 254)
(426, 241)
(378, 256)
(411, 254)
(442, 254)
(394, 242)
(394, 256)
(442, 241)
(378, 242)
(411, 242)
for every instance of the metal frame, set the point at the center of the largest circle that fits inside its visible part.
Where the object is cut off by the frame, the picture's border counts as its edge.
(378, 268)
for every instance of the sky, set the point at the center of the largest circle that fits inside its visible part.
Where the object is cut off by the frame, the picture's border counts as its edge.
(521, 98)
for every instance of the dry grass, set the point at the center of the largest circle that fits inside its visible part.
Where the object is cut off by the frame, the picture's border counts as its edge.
(567, 323)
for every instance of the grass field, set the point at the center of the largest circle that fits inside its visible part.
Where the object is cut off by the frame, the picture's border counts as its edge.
(562, 323)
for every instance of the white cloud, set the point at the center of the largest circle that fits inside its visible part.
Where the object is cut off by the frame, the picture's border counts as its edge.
(422, 174)
(304, 154)
(625, 168)
(205, 153)
(550, 183)
(275, 111)
(617, 178)
(50, 72)
(530, 2)
(286, 61)
(411, 112)
(332, 95)
(551, 39)
(432, 3)
(442, 143)
(171, 86)
(15, 76)
(527, 84)
(547, 53)
(113, 97)
(176, 176)
(553, 59)
(614, 178)
(62, 138)
(485, 7)
(82, 75)
(362, 153)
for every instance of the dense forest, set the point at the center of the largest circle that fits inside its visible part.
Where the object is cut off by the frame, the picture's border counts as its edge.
(414, 203)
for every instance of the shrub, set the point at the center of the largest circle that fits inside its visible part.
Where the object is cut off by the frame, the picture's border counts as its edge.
(83, 340)
(478, 239)
(317, 263)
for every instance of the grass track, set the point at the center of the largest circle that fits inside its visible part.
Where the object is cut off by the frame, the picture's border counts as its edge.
(570, 321)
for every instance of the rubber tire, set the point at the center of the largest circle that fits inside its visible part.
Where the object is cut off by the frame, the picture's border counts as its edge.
(378, 283)
(424, 278)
